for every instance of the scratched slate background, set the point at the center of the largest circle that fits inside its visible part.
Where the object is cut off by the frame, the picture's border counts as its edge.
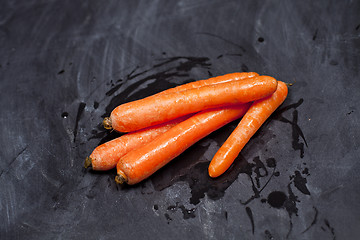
(64, 65)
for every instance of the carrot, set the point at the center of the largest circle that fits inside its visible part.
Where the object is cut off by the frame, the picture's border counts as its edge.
(151, 111)
(211, 81)
(196, 84)
(257, 114)
(142, 162)
(105, 156)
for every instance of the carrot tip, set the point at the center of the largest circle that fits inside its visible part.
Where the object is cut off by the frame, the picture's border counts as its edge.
(107, 123)
(120, 178)
(87, 162)
(212, 173)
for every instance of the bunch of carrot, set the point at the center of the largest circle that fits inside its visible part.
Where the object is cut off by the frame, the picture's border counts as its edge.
(160, 127)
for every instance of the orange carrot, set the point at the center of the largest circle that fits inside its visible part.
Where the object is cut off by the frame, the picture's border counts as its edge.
(105, 156)
(151, 111)
(142, 162)
(257, 114)
(196, 84)
(211, 81)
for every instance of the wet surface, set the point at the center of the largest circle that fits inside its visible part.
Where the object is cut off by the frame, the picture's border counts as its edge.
(64, 67)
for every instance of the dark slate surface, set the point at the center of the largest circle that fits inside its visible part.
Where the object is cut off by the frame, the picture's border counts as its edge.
(64, 65)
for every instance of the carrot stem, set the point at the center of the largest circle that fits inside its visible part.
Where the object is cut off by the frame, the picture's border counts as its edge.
(120, 178)
(107, 123)
(87, 162)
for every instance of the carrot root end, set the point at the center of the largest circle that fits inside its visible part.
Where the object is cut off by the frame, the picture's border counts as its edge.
(120, 178)
(87, 162)
(107, 123)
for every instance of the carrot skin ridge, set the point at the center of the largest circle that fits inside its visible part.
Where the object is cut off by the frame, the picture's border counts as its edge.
(151, 111)
(257, 114)
(105, 156)
(142, 162)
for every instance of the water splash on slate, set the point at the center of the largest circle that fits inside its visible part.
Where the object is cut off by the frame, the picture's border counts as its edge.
(96, 105)
(255, 167)
(305, 171)
(199, 181)
(104, 135)
(187, 213)
(244, 68)
(168, 218)
(300, 183)
(251, 217)
(288, 201)
(297, 133)
(314, 221)
(64, 114)
(78, 117)
(291, 208)
(268, 235)
(332, 230)
(114, 87)
(276, 199)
